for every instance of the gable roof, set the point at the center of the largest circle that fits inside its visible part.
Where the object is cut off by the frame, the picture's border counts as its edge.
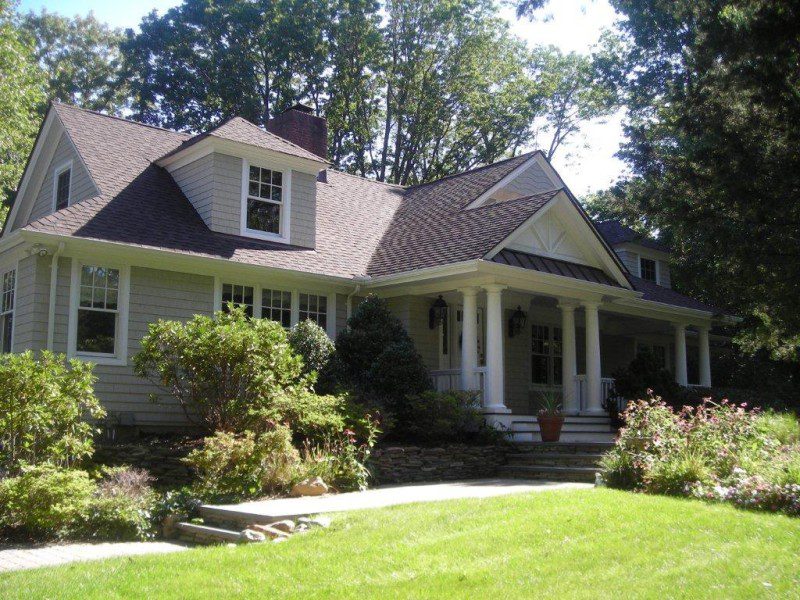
(616, 233)
(363, 227)
(656, 293)
(243, 131)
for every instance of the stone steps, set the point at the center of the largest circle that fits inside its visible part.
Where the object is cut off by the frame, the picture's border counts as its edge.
(555, 459)
(576, 428)
(558, 461)
(556, 473)
(563, 447)
(206, 534)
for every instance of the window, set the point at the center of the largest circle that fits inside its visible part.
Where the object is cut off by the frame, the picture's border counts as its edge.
(7, 310)
(62, 184)
(546, 355)
(264, 200)
(647, 269)
(277, 306)
(98, 310)
(239, 295)
(314, 307)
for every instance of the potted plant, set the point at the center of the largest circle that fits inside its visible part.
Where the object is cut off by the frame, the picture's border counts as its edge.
(550, 417)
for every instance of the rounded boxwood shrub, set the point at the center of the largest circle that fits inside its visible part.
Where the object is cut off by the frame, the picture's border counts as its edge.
(312, 343)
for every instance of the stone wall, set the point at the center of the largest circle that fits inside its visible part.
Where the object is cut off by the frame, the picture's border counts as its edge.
(406, 464)
(161, 457)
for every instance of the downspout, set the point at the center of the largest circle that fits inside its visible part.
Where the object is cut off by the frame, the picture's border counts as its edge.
(361, 281)
(51, 316)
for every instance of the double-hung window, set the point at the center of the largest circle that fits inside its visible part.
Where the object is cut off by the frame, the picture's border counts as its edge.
(9, 280)
(314, 307)
(648, 270)
(264, 204)
(546, 355)
(276, 305)
(98, 314)
(238, 295)
(61, 185)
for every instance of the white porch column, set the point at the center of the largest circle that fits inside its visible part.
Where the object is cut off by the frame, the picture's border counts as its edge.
(680, 354)
(705, 358)
(568, 358)
(594, 402)
(469, 338)
(493, 393)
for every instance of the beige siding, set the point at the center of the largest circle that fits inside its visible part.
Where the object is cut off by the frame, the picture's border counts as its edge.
(31, 304)
(341, 312)
(666, 279)
(226, 214)
(81, 185)
(413, 314)
(196, 182)
(630, 260)
(517, 354)
(304, 208)
(532, 181)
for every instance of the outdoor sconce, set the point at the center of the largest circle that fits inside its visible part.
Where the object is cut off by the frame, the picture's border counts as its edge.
(517, 322)
(437, 313)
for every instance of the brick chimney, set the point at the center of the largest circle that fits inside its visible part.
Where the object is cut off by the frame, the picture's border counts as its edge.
(299, 125)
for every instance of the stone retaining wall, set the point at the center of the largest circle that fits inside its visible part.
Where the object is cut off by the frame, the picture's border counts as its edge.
(406, 464)
(162, 458)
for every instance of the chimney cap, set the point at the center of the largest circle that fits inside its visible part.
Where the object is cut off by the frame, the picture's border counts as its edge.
(300, 107)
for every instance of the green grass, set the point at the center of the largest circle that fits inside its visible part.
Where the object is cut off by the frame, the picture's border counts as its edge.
(584, 544)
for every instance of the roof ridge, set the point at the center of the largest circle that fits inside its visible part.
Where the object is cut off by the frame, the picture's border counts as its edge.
(123, 119)
(269, 133)
(474, 169)
(367, 179)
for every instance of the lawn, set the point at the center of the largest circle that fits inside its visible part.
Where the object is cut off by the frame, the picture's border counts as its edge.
(584, 544)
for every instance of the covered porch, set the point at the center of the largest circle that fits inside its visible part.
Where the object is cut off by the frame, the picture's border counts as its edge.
(514, 335)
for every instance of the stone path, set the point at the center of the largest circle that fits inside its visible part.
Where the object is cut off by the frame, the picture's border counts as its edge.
(15, 558)
(386, 496)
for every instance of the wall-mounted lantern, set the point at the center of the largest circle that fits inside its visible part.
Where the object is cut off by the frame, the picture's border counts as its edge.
(437, 313)
(517, 322)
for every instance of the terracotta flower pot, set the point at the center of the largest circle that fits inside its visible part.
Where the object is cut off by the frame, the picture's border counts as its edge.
(550, 427)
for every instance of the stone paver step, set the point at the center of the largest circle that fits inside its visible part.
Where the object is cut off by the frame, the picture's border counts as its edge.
(550, 472)
(555, 459)
(205, 534)
(563, 447)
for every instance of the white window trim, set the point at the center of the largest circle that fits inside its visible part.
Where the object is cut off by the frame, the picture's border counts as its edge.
(552, 324)
(13, 310)
(258, 289)
(120, 356)
(639, 258)
(67, 166)
(283, 236)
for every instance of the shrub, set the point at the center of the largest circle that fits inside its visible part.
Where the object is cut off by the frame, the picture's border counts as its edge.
(444, 417)
(643, 375)
(677, 474)
(43, 406)
(310, 341)
(376, 358)
(341, 459)
(224, 370)
(248, 465)
(45, 502)
(783, 427)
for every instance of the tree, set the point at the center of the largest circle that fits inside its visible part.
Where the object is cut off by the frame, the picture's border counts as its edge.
(713, 96)
(22, 98)
(572, 93)
(81, 58)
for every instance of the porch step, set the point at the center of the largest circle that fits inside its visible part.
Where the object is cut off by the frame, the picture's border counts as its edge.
(544, 448)
(605, 437)
(548, 472)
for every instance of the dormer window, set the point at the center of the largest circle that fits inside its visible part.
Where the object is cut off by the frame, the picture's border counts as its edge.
(61, 186)
(265, 207)
(648, 269)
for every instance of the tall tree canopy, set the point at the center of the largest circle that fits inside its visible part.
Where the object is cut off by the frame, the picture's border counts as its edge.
(22, 96)
(713, 96)
(412, 89)
(81, 58)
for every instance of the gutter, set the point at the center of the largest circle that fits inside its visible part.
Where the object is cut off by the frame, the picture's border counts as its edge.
(51, 315)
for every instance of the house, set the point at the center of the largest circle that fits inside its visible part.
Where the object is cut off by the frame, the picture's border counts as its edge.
(500, 277)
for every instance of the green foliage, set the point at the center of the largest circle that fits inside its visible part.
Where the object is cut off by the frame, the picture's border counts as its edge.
(340, 460)
(224, 370)
(81, 58)
(443, 417)
(376, 358)
(44, 404)
(22, 97)
(310, 417)
(248, 465)
(711, 90)
(312, 343)
(712, 451)
(643, 376)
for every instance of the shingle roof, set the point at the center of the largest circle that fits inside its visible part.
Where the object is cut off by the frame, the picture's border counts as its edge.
(615, 233)
(363, 226)
(243, 131)
(544, 264)
(656, 293)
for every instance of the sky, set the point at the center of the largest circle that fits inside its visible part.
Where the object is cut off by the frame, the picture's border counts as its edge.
(586, 164)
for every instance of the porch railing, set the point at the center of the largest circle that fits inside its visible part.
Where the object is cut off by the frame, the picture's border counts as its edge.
(581, 389)
(445, 380)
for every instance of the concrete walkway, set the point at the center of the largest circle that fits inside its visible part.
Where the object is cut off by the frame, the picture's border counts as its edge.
(385, 496)
(16, 558)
